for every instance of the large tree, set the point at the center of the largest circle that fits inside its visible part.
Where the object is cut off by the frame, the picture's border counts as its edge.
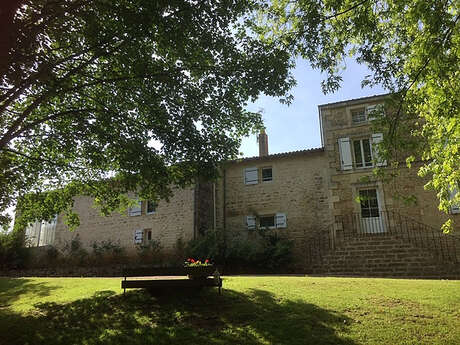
(103, 97)
(411, 47)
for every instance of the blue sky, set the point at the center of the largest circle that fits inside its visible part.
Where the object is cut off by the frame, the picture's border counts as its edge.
(296, 127)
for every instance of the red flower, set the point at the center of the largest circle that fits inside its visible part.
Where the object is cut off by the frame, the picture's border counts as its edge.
(192, 261)
(206, 261)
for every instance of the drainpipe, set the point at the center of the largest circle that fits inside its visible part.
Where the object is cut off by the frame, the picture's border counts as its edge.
(224, 216)
(214, 206)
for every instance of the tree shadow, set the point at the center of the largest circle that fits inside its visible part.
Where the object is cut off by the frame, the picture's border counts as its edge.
(256, 317)
(12, 289)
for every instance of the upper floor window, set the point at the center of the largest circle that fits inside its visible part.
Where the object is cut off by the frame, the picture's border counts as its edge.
(135, 210)
(362, 153)
(358, 115)
(151, 207)
(267, 174)
(274, 221)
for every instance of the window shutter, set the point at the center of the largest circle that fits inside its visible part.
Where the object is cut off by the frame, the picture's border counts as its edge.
(377, 138)
(251, 222)
(346, 161)
(138, 236)
(251, 176)
(136, 210)
(454, 209)
(280, 220)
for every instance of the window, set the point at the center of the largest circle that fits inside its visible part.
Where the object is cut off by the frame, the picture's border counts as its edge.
(267, 222)
(251, 176)
(369, 203)
(267, 174)
(151, 207)
(454, 209)
(358, 115)
(363, 153)
(135, 210)
(147, 235)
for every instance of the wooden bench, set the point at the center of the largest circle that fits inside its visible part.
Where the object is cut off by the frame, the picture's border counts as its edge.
(171, 277)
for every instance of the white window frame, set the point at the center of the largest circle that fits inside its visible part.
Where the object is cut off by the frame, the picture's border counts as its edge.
(262, 174)
(251, 181)
(268, 227)
(147, 207)
(361, 145)
(364, 114)
(134, 211)
(454, 209)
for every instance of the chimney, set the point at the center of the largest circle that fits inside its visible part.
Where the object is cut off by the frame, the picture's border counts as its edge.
(263, 143)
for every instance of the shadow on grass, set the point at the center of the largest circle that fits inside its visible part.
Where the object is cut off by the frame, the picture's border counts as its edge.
(12, 289)
(256, 317)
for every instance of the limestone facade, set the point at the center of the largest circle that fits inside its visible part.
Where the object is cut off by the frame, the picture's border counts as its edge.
(296, 193)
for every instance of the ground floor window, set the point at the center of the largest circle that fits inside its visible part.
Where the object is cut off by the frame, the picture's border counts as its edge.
(369, 203)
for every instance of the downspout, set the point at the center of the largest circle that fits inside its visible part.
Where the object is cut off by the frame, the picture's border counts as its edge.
(214, 206)
(224, 216)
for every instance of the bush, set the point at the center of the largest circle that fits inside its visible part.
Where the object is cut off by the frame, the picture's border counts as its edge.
(13, 253)
(74, 252)
(264, 249)
(107, 252)
(149, 253)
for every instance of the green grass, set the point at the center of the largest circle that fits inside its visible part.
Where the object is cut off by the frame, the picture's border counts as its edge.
(252, 310)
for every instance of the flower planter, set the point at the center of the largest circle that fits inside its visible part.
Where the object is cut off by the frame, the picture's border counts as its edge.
(199, 272)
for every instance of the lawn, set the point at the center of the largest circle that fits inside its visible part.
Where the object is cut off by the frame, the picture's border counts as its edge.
(252, 310)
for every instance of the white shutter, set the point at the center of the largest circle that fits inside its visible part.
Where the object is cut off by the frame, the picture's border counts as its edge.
(136, 210)
(370, 112)
(377, 138)
(346, 161)
(138, 236)
(456, 207)
(251, 176)
(280, 220)
(251, 222)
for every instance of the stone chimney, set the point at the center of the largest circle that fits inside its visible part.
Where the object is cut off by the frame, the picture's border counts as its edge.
(263, 143)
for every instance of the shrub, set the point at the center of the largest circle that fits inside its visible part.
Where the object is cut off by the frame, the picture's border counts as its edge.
(75, 253)
(264, 249)
(13, 253)
(107, 252)
(149, 253)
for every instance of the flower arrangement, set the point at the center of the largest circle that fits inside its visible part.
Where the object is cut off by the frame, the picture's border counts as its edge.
(196, 263)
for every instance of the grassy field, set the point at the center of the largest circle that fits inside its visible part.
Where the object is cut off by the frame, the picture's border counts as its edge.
(252, 310)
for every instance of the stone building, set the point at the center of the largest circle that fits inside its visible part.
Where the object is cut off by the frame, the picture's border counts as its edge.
(342, 219)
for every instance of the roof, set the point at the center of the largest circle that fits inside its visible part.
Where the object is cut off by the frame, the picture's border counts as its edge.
(352, 101)
(278, 155)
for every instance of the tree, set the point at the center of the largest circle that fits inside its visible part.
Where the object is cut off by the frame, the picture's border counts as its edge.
(103, 97)
(412, 48)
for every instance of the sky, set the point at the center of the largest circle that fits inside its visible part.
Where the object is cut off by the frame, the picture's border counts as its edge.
(296, 127)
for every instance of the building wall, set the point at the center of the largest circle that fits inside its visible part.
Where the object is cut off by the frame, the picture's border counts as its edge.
(172, 220)
(299, 189)
(336, 122)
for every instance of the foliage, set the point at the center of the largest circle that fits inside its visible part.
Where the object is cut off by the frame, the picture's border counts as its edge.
(196, 263)
(146, 93)
(262, 249)
(412, 48)
(150, 251)
(106, 247)
(13, 253)
(74, 253)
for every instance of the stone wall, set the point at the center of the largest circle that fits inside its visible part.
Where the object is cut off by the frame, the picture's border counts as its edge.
(171, 220)
(299, 189)
(336, 122)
